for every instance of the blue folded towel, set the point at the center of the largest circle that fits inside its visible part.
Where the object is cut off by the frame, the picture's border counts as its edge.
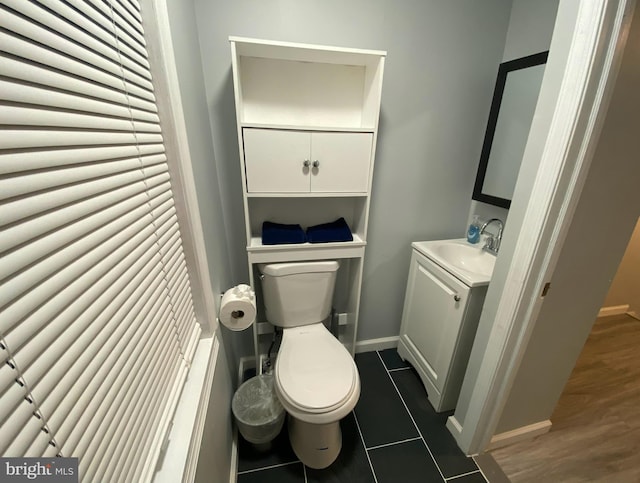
(336, 231)
(278, 233)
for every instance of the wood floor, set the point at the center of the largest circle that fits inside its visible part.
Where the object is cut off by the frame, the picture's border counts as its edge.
(595, 434)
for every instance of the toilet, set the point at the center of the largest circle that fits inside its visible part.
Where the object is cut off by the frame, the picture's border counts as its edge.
(316, 379)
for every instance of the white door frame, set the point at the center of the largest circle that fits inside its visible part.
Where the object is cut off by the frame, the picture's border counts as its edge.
(595, 49)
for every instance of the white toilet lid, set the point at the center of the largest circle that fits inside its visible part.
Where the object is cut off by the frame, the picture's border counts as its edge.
(313, 369)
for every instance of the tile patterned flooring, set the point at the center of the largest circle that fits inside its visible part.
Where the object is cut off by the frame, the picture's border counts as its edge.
(392, 436)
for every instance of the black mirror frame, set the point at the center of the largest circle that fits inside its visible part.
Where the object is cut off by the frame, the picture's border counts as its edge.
(504, 69)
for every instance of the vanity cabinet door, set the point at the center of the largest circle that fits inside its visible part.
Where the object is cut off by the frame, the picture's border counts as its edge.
(340, 162)
(277, 161)
(434, 309)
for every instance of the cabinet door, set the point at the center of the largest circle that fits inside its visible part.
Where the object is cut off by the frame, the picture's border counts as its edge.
(344, 160)
(433, 313)
(275, 160)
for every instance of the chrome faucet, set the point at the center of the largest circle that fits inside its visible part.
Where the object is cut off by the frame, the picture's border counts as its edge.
(492, 245)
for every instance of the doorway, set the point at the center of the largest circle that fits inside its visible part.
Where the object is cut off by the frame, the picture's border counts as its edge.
(596, 423)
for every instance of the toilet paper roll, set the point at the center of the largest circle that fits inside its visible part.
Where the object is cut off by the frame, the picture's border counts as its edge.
(238, 307)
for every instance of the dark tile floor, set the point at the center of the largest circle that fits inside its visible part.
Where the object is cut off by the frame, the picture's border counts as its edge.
(393, 436)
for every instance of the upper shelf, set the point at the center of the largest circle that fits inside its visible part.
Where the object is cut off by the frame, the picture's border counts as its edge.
(334, 88)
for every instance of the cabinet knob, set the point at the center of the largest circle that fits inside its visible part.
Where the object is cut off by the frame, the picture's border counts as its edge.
(306, 163)
(316, 163)
(456, 298)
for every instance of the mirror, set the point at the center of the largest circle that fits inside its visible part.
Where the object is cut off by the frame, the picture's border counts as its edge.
(514, 102)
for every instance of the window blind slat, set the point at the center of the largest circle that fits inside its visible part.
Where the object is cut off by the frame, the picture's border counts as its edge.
(97, 372)
(12, 396)
(56, 177)
(126, 20)
(24, 237)
(125, 30)
(51, 138)
(75, 435)
(193, 339)
(141, 411)
(50, 452)
(178, 269)
(89, 440)
(100, 332)
(168, 235)
(96, 309)
(96, 29)
(33, 309)
(148, 445)
(29, 52)
(29, 72)
(20, 430)
(133, 11)
(143, 414)
(185, 334)
(19, 162)
(174, 258)
(38, 116)
(140, 406)
(104, 21)
(148, 451)
(29, 251)
(134, 40)
(39, 97)
(39, 446)
(143, 469)
(41, 202)
(69, 320)
(53, 41)
(65, 27)
(8, 374)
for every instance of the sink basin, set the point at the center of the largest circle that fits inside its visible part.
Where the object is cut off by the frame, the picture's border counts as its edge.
(467, 257)
(470, 263)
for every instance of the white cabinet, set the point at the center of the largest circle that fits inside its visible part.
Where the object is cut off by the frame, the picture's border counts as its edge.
(278, 161)
(439, 322)
(307, 120)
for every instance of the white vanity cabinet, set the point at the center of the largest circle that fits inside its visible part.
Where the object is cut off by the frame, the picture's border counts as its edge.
(278, 161)
(439, 323)
(307, 123)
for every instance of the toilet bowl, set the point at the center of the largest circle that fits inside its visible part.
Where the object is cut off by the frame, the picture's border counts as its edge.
(316, 379)
(317, 382)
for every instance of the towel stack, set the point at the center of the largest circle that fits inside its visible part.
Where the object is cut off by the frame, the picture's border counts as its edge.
(278, 233)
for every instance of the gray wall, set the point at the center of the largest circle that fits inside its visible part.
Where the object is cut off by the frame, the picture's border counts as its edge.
(598, 235)
(530, 30)
(215, 451)
(439, 76)
(625, 288)
(524, 185)
(205, 163)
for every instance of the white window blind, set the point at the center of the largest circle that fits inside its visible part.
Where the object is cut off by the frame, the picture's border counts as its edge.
(97, 324)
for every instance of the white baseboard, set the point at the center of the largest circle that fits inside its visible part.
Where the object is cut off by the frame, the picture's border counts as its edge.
(519, 434)
(377, 344)
(613, 310)
(454, 427)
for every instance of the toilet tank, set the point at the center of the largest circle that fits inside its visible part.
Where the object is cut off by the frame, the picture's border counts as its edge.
(298, 294)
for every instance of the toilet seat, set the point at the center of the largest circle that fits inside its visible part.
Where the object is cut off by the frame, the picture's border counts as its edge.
(316, 378)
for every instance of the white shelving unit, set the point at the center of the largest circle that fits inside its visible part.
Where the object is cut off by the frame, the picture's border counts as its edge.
(307, 120)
